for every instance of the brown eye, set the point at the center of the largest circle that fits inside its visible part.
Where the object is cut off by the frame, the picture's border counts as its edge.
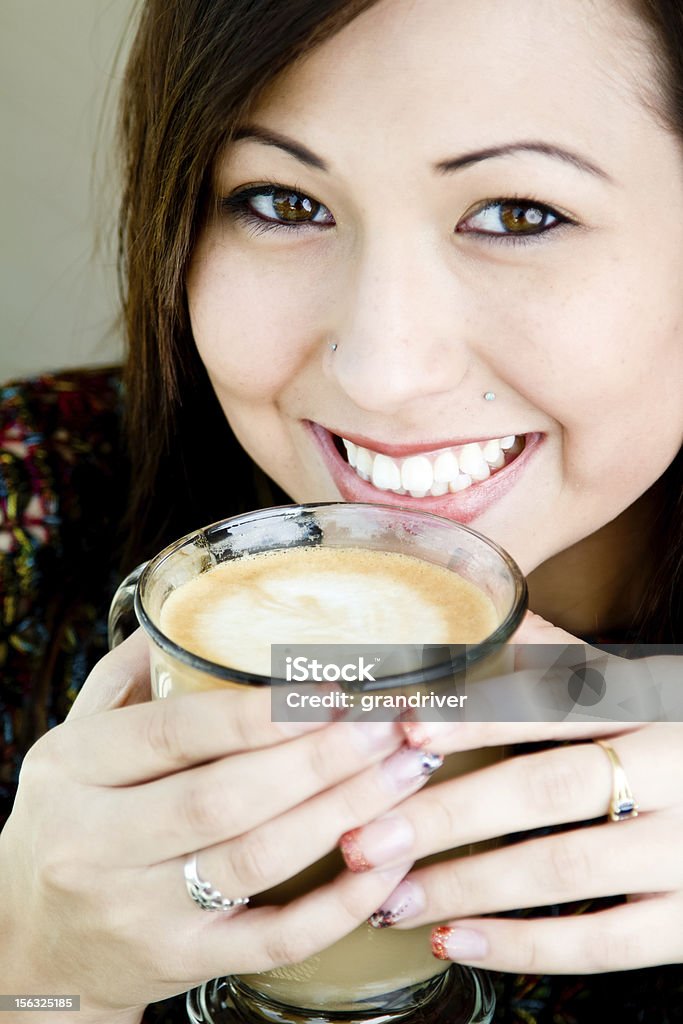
(282, 206)
(291, 206)
(512, 217)
(521, 218)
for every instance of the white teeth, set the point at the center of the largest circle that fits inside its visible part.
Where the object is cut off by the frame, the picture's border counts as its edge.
(416, 474)
(445, 468)
(491, 451)
(385, 473)
(351, 452)
(460, 483)
(435, 474)
(364, 460)
(473, 462)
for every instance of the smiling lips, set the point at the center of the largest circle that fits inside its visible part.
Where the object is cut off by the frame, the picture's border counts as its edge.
(433, 474)
(459, 481)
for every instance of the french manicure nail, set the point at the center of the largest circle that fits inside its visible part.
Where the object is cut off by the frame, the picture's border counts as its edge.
(421, 734)
(458, 944)
(380, 842)
(407, 768)
(407, 900)
(416, 734)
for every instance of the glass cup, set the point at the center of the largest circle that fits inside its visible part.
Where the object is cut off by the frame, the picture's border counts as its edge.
(374, 976)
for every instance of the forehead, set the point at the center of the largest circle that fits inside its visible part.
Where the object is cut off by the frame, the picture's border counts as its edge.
(492, 69)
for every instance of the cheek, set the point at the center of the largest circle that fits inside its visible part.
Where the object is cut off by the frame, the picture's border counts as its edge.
(602, 356)
(252, 328)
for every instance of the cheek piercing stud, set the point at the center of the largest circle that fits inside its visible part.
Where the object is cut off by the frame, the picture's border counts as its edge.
(334, 346)
(490, 396)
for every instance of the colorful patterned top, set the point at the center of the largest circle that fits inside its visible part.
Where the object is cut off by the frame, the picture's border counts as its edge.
(62, 495)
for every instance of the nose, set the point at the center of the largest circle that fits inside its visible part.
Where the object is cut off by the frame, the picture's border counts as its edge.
(401, 328)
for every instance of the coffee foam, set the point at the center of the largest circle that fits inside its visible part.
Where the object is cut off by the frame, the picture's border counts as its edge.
(233, 613)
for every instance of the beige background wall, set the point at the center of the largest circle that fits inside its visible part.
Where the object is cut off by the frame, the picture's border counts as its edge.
(57, 298)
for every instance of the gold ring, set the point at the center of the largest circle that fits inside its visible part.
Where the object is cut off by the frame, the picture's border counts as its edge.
(623, 803)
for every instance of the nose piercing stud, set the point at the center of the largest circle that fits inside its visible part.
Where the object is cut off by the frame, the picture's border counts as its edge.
(334, 346)
(490, 396)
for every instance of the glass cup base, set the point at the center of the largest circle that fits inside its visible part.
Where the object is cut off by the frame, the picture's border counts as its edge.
(459, 996)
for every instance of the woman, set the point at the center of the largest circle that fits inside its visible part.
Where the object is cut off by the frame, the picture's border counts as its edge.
(413, 228)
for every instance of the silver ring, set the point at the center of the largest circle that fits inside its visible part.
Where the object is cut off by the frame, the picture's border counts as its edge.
(623, 803)
(204, 894)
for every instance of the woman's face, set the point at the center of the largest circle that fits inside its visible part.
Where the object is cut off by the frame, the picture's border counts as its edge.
(448, 200)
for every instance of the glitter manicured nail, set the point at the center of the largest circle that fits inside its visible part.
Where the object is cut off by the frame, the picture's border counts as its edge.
(407, 900)
(352, 853)
(408, 768)
(379, 843)
(458, 944)
(416, 734)
(421, 734)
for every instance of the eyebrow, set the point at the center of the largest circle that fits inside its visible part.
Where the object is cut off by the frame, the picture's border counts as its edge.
(306, 156)
(544, 148)
(269, 138)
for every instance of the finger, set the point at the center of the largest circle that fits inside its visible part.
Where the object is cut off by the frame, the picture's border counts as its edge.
(264, 938)
(151, 740)
(450, 737)
(643, 934)
(220, 800)
(551, 787)
(281, 848)
(534, 629)
(561, 688)
(584, 864)
(120, 678)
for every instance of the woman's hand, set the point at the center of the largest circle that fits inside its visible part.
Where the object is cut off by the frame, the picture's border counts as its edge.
(640, 857)
(113, 802)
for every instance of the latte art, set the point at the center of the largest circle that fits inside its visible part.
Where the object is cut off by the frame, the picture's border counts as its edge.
(233, 613)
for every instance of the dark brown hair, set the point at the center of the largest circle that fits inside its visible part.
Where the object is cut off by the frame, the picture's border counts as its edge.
(660, 616)
(195, 69)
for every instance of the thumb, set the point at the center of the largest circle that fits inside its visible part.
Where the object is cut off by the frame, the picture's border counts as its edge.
(536, 630)
(120, 678)
(540, 645)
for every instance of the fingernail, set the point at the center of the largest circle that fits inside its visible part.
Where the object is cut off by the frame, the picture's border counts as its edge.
(407, 768)
(415, 733)
(407, 900)
(458, 944)
(372, 737)
(419, 734)
(382, 841)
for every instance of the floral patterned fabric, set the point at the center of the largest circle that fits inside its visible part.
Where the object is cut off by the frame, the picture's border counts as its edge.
(62, 496)
(62, 487)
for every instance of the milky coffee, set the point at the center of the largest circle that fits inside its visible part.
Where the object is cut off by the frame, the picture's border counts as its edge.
(233, 613)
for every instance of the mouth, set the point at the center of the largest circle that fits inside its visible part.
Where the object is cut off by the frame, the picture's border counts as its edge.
(459, 479)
